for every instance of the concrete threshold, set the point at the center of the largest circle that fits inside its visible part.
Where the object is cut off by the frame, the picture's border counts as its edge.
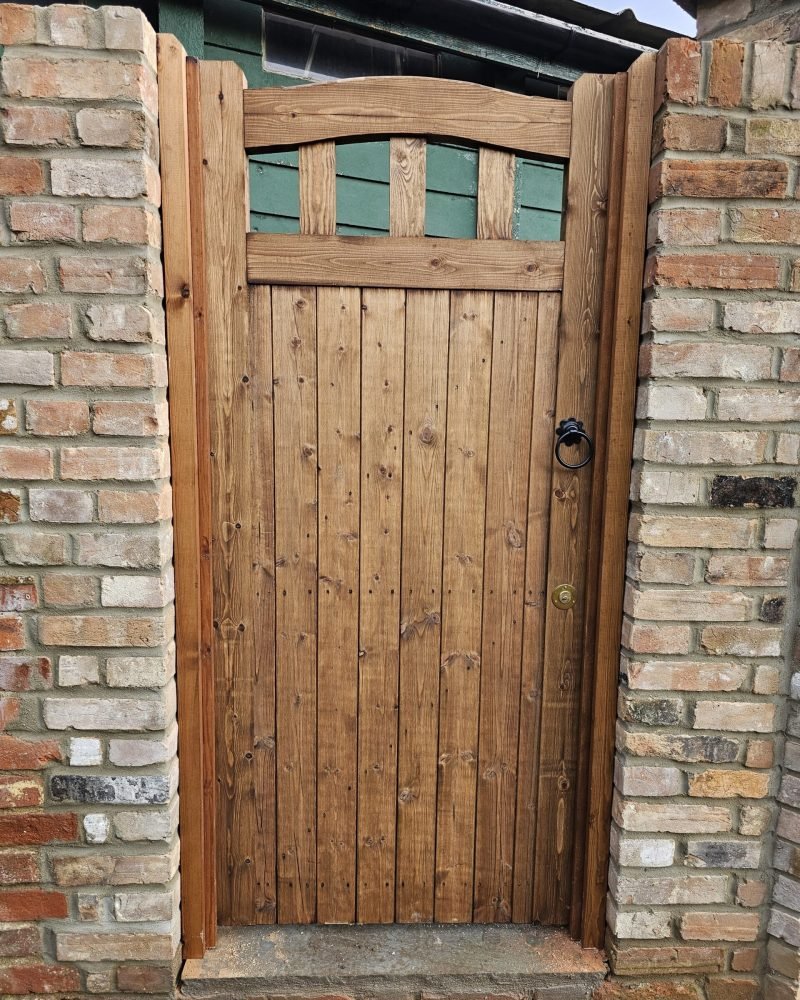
(395, 961)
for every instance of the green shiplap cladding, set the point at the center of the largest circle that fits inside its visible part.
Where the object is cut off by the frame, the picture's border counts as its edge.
(362, 169)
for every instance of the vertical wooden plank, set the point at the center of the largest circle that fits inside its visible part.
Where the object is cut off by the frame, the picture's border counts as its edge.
(203, 418)
(294, 318)
(633, 223)
(382, 366)
(318, 188)
(604, 362)
(425, 423)
(339, 400)
(469, 377)
(535, 601)
(585, 234)
(514, 343)
(243, 556)
(496, 170)
(407, 159)
(176, 217)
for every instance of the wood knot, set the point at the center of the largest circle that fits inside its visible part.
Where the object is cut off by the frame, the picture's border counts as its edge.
(427, 434)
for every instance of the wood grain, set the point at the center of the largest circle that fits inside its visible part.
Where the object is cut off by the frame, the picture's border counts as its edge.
(318, 189)
(178, 267)
(339, 461)
(469, 378)
(585, 226)
(633, 224)
(407, 157)
(425, 422)
(295, 416)
(544, 390)
(403, 262)
(496, 171)
(514, 343)
(407, 105)
(382, 370)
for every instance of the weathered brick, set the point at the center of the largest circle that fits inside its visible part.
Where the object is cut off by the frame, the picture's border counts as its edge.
(725, 73)
(61, 506)
(764, 225)
(134, 507)
(32, 904)
(669, 675)
(101, 630)
(19, 867)
(773, 135)
(111, 789)
(689, 749)
(85, 751)
(723, 854)
(21, 275)
(646, 637)
(25, 463)
(120, 714)
(20, 829)
(102, 369)
(34, 548)
(678, 72)
(72, 26)
(646, 780)
(128, 224)
(766, 679)
(108, 275)
(639, 924)
(708, 926)
(690, 532)
(17, 24)
(128, 323)
(741, 640)
(44, 222)
(143, 753)
(93, 947)
(754, 820)
(126, 419)
(38, 321)
(12, 632)
(790, 365)
(26, 672)
(18, 792)
(649, 566)
(77, 79)
(671, 817)
(62, 590)
(21, 175)
(36, 126)
(690, 227)
(679, 360)
(635, 959)
(39, 978)
(136, 591)
(713, 270)
(20, 942)
(688, 605)
(668, 486)
(690, 133)
(103, 869)
(98, 178)
(57, 418)
(779, 533)
(78, 671)
(127, 464)
(753, 491)
(758, 404)
(678, 314)
(667, 890)
(728, 785)
(748, 570)
(9, 422)
(141, 978)
(671, 402)
(760, 753)
(735, 716)
(651, 711)
(719, 179)
(123, 549)
(27, 367)
(767, 84)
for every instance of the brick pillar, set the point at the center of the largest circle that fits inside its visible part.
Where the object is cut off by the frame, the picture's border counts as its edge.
(88, 846)
(706, 634)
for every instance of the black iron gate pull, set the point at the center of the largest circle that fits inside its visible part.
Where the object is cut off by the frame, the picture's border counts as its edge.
(571, 432)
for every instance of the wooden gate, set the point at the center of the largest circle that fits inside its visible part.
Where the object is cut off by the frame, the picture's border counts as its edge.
(407, 710)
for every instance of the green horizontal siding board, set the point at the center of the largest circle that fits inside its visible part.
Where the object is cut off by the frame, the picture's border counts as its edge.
(538, 224)
(451, 215)
(262, 222)
(362, 203)
(540, 185)
(452, 169)
(185, 20)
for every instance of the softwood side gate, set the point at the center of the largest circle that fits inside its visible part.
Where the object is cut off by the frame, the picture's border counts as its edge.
(383, 715)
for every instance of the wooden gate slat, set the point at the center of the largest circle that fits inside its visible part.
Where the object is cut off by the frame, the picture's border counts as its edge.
(514, 343)
(239, 400)
(425, 424)
(469, 378)
(382, 367)
(407, 162)
(544, 392)
(295, 409)
(339, 461)
(496, 173)
(587, 192)
(317, 184)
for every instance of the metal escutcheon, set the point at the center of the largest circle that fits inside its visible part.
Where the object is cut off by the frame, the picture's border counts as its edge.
(564, 596)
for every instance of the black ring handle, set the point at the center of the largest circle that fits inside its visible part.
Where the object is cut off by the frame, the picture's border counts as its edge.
(571, 432)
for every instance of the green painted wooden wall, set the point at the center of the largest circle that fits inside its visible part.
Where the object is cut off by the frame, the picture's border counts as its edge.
(232, 30)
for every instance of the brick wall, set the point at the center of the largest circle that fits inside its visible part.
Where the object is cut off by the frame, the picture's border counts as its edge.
(749, 20)
(705, 659)
(88, 849)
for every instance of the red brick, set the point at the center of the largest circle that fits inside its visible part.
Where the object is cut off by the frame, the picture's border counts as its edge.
(20, 942)
(9, 711)
(57, 418)
(12, 632)
(25, 673)
(27, 755)
(630, 959)
(145, 978)
(744, 959)
(17, 792)
(69, 591)
(79, 79)
(17, 24)
(725, 73)
(690, 133)
(17, 867)
(38, 828)
(678, 72)
(719, 179)
(26, 463)
(32, 904)
(128, 224)
(135, 507)
(764, 225)
(105, 275)
(35, 126)
(17, 593)
(732, 988)
(41, 221)
(92, 368)
(655, 989)
(713, 270)
(41, 978)
(689, 227)
(21, 175)
(39, 320)
(19, 275)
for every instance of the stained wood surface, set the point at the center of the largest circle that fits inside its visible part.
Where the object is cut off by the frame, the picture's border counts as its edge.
(240, 387)
(407, 162)
(407, 105)
(622, 393)
(382, 371)
(514, 342)
(470, 350)
(318, 189)
(178, 271)
(585, 230)
(496, 195)
(400, 262)
(339, 461)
